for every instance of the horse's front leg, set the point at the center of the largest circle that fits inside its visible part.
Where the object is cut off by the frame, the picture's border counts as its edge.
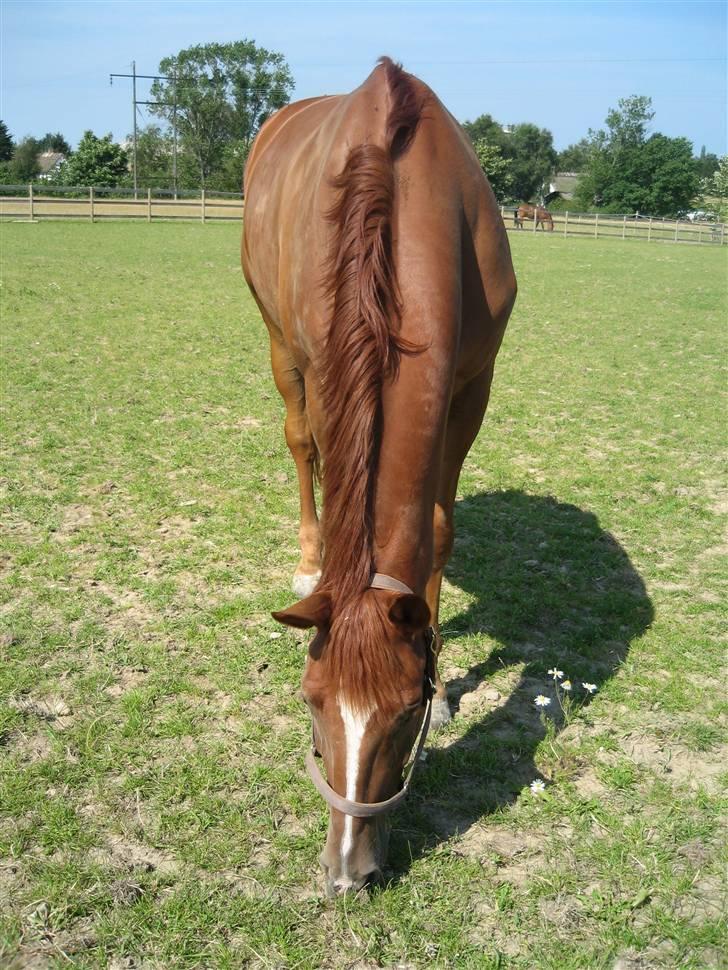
(464, 421)
(302, 446)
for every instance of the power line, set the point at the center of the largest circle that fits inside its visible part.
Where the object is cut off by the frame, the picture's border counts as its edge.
(136, 102)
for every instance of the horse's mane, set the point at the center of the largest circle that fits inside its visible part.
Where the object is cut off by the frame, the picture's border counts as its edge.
(362, 350)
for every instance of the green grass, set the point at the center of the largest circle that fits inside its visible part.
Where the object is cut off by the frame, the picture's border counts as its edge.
(154, 809)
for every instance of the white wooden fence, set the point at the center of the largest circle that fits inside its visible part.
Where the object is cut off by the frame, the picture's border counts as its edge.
(596, 225)
(94, 204)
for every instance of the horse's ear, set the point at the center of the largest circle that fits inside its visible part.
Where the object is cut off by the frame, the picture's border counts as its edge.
(314, 610)
(410, 613)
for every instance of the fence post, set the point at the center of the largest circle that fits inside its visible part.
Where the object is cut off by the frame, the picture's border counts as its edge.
(677, 225)
(202, 211)
(649, 231)
(722, 232)
(149, 205)
(700, 232)
(566, 222)
(91, 202)
(535, 219)
(624, 227)
(596, 225)
(30, 199)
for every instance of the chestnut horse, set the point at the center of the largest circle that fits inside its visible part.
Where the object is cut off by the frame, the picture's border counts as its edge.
(542, 216)
(378, 258)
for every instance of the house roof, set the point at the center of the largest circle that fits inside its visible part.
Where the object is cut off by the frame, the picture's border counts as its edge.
(50, 160)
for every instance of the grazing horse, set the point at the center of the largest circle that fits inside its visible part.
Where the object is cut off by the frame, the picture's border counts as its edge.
(377, 255)
(542, 216)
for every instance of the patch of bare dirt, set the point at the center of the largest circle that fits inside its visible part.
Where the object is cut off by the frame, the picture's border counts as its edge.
(51, 707)
(75, 519)
(588, 785)
(515, 856)
(126, 680)
(706, 901)
(29, 747)
(685, 767)
(123, 852)
(127, 606)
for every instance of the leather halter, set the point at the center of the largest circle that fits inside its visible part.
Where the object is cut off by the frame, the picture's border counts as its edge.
(370, 809)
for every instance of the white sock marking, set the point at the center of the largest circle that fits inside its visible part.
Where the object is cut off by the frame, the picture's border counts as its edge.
(355, 723)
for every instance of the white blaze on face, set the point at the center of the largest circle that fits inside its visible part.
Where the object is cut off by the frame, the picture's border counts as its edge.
(355, 723)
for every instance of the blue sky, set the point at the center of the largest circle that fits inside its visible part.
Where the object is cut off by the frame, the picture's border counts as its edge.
(561, 65)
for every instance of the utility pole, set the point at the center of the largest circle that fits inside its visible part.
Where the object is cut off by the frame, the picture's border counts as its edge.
(134, 109)
(136, 102)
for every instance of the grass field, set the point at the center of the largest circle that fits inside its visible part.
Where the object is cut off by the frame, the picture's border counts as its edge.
(154, 810)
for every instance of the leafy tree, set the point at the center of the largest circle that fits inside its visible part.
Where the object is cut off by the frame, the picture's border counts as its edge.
(96, 161)
(528, 148)
(224, 93)
(54, 142)
(706, 163)
(23, 167)
(628, 172)
(574, 158)
(495, 167)
(7, 145)
(532, 155)
(486, 128)
(155, 152)
(629, 122)
(714, 191)
(229, 176)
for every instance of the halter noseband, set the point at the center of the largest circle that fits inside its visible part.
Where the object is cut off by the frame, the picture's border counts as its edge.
(370, 809)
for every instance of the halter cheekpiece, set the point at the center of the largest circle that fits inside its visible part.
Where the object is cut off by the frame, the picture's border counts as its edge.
(370, 809)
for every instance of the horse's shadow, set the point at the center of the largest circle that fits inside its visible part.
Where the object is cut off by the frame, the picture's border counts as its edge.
(552, 589)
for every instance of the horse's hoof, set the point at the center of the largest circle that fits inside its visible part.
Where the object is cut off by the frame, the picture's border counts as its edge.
(440, 713)
(305, 583)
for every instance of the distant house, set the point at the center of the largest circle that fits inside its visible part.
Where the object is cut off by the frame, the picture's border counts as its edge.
(562, 185)
(49, 162)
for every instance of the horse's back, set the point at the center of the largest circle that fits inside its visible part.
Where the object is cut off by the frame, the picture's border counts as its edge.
(450, 246)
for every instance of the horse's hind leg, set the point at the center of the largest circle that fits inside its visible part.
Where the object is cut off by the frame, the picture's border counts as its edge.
(302, 446)
(464, 421)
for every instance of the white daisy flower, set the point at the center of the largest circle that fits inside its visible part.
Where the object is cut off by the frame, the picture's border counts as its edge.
(565, 685)
(541, 701)
(556, 674)
(592, 688)
(537, 786)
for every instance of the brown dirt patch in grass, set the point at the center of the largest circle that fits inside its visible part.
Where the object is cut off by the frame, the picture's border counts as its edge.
(684, 767)
(127, 854)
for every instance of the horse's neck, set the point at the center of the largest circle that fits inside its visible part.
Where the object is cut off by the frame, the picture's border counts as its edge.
(408, 471)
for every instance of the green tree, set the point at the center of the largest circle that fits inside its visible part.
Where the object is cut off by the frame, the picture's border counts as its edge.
(24, 167)
(155, 152)
(7, 145)
(574, 158)
(223, 94)
(495, 168)
(706, 163)
(629, 172)
(533, 158)
(96, 161)
(486, 128)
(714, 191)
(528, 148)
(54, 142)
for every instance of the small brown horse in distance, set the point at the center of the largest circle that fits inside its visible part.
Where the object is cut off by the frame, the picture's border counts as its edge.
(378, 258)
(542, 216)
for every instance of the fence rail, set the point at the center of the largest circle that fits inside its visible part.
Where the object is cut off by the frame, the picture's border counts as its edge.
(598, 226)
(96, 204)
(26, 202)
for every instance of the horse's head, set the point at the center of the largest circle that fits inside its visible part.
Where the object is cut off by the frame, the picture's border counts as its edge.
(367, 684)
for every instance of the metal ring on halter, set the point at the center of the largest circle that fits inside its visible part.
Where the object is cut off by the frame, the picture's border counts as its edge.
(370, 809)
